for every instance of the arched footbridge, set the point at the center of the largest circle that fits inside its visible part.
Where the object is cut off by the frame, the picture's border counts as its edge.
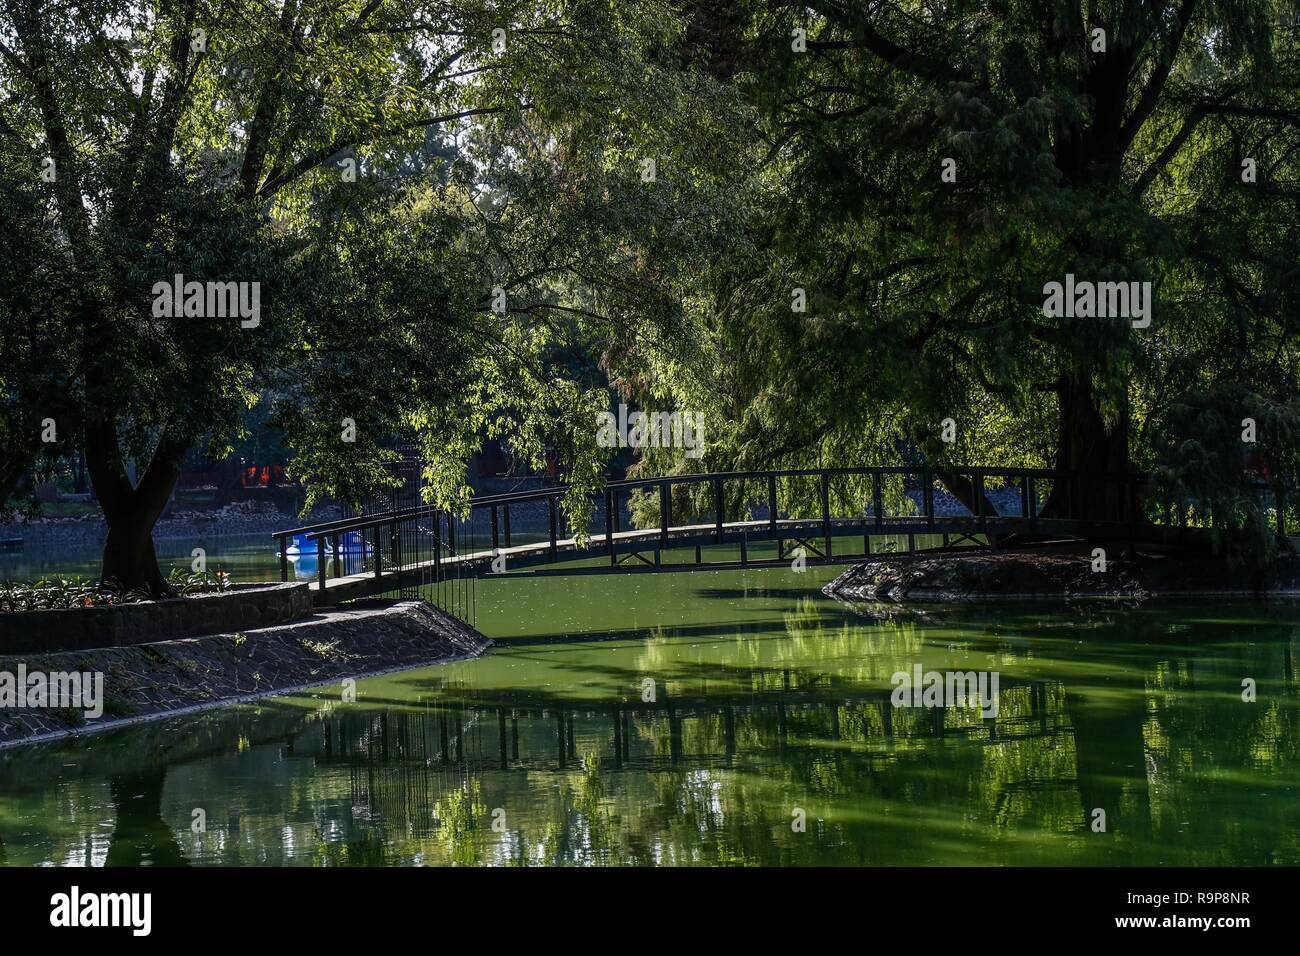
(711, 521)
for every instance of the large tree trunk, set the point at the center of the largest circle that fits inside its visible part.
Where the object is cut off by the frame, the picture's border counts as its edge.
(1088, 450)
(130, 562)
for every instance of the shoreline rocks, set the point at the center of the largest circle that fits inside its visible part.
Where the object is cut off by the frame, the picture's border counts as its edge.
(163, 679)
(1052, 574)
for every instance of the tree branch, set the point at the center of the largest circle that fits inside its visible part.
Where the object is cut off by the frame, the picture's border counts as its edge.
(1171, 149)
(1146, 104)
(316, 158)
(867, 37)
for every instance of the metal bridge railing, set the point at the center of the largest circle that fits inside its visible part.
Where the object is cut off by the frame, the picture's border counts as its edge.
(428, 538)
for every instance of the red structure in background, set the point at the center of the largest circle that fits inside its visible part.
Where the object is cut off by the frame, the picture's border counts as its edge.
(262, 476)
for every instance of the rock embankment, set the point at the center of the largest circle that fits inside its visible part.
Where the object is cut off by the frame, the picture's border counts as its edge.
(1052, 575)
(156, 680)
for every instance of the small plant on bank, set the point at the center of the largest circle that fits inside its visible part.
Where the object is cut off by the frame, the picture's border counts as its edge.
(198, 582)
(51, 593)
(60, 593)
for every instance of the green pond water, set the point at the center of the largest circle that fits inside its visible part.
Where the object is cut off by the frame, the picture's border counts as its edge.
(771, 706)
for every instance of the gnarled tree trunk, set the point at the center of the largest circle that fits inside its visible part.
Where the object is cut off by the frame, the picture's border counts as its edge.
(130, 562)
(1089, 450)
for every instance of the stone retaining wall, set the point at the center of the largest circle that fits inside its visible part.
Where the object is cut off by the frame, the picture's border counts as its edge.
(241, 608)
(174, 677)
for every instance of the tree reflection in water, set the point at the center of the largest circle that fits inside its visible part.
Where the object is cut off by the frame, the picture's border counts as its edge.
(1135, 712)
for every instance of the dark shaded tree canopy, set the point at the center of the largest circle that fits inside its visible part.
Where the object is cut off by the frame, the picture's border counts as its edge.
(651, 183)
(1103, 140)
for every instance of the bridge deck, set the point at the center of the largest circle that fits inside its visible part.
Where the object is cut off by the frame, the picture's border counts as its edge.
(808, 532)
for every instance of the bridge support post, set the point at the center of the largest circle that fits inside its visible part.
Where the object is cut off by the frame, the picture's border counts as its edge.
(320, 562)
(717, 508)
(826, 512)
(437, 546)
(379, 551)
(550, 515)
(609, 526)
(506, 516)
(284, 559)
(495, 542)
(771, 506)
(665, 516)
(877, 501)
(744, 550)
